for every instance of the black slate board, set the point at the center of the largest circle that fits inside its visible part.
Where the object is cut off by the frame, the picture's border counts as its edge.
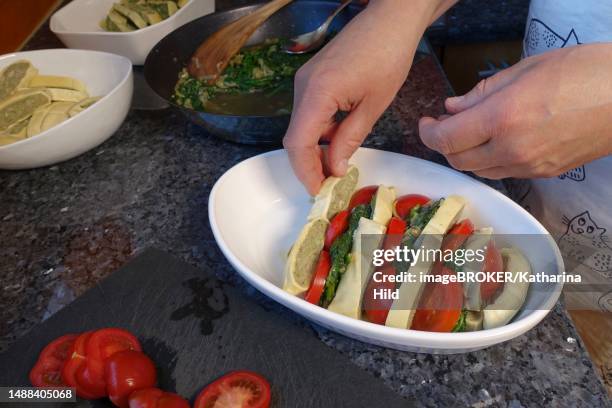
(196, 328)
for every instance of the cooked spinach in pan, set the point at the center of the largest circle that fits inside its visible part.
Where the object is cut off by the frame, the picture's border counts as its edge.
(257, 81)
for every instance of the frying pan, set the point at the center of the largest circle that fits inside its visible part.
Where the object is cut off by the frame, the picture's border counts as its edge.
(173, 52)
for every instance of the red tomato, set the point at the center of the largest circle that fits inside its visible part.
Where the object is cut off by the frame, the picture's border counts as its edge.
(337, 226)
(126, 371)
(145, 398)
(169, 400)
(47, 370)
(318, 280)
(76, 360)
(407, 202)
(395, 233)
(440, 304)
(238, 389)
(47, 373)
(92, 384)
(156, 398)
(104, 343)
(376, 310)
(362, 196)
(457, 235)
(58, 348)
(493, 262)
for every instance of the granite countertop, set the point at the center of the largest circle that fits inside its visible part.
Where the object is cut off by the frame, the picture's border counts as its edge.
(66, 227)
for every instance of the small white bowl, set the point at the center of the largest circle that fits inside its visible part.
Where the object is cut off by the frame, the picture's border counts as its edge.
(78, 26)
(257, 208)
(106, 75)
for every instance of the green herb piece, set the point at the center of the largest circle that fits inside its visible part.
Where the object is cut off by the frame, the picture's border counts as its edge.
(460, 325)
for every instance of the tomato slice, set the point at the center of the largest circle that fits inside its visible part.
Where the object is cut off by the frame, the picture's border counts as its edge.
(338, 224)
(104, 343)
(493, 262)
(76, 360)
(238, 389)
(58, 348)
(318, 280)
(407, 202)
(457, 235)
(376, 310)
(47, 373)
(145, 398)
(362, 196)
(89, 383)
(126, 371)
(440, 304)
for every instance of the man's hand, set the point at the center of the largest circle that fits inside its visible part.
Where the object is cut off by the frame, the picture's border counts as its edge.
(543, 116)
(359, 72)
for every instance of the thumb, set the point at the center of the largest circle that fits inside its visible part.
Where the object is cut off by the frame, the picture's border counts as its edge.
(309, 121)
(351, 132)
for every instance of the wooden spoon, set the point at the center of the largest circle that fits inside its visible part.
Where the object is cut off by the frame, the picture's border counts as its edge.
(213, 55)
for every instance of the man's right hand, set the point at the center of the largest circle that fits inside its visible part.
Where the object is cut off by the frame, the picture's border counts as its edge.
(358, 72)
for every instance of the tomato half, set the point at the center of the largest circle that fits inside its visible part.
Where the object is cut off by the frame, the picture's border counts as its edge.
(126, 371)
(395, 233)
(457, 235)
(407, 202)
(76, 360)
(238, 389)
(493, 262)
(318, 280)
(145, 398)
(362, 196)
(338, 224)
(104, 343)
(440, 304)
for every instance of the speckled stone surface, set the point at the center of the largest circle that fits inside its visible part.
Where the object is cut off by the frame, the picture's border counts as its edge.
(66, 227)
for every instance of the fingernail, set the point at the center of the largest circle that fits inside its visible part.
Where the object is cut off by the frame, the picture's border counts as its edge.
(343, 166)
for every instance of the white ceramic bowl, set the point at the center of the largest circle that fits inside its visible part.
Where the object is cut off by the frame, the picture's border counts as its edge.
(258, 207)
(78, 26)
(104, 74)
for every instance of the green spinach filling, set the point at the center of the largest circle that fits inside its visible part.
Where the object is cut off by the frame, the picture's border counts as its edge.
(340, 253)
(262, 68)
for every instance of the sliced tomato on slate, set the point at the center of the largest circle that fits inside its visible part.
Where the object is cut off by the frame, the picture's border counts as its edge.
(75, 362)
(104, 343)
(440, 304)
(126, 371)
(405, 203)
(493, 262)
(338, 224)
(47, 372)
(238, 389)
(362, 196)
(318, 280)
(58, 348)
